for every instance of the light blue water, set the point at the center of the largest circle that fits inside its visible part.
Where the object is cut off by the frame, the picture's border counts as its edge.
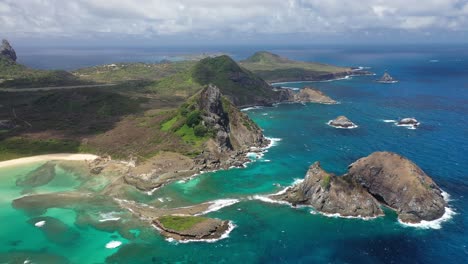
(436, 93)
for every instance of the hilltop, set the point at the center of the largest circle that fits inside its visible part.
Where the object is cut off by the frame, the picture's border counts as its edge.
(274, 68)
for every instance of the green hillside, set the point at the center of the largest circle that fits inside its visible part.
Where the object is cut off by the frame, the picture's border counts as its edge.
(274, 68)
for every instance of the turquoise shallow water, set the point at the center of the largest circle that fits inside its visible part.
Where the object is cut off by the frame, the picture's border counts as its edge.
(433, 92)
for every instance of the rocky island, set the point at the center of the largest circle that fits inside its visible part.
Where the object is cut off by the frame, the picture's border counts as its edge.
(386, 78)
(185, 227)
(342, 122)
(7, 51)
(382, 178)
(408, 122)
(331, 194)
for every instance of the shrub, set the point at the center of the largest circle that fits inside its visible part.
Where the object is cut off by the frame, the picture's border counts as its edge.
(200, 130)
(193, 118)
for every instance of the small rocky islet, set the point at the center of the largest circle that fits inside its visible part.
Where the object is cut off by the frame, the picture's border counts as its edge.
(342, 122)
(386, 78)
(382, 178)
(408, 122)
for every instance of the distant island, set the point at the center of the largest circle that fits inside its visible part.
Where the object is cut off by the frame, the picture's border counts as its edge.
(386, 78)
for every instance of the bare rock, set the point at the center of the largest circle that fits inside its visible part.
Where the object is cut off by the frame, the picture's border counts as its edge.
(399, 184)
(342, 122)
(7, 51)
(331, 194)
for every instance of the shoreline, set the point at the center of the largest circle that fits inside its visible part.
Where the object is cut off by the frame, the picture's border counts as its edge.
(47, 157)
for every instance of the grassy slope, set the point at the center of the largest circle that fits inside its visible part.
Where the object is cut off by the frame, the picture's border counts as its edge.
(180, 223)
(272, 67)
(132, 71)
(15, 75)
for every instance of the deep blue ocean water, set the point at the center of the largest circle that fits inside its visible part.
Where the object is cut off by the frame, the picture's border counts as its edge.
(433, 88)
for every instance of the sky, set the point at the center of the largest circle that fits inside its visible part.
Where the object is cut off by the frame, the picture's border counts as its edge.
(198, 22)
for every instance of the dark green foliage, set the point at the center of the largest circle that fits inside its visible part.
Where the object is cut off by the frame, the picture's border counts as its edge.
(193, 118)
(16, 147)
(200, 130)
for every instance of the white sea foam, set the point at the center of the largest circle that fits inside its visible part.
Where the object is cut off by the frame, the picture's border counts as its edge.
(213, 240)
(336, 215)
(389, 121)
(40, 224)
(251, 108)
(437, 223)
(112, 216)
(152, 191)
(113, 244)
(219, 204)
(273, 142)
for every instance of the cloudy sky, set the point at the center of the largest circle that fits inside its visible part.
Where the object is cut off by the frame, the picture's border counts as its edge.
(234, 21)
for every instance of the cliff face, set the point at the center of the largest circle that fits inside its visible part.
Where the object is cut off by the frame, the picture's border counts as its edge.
(330, 194)
(309, 94)
(400, 184)
(234, 132)
(7, 51)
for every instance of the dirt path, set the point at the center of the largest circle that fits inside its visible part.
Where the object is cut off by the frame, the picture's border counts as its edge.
(36, 89)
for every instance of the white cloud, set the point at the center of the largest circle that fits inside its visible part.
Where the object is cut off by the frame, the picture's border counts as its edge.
(216, 17)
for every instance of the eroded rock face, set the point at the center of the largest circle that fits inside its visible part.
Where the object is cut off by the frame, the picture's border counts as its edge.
(342, 122)
(400, 184)
(330, 194)
(312, 95)
(7, 51)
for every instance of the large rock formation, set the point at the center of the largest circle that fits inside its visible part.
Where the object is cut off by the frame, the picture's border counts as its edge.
(409, 122)
(330, 194)
(312, 95)
(399, 184)
(7, 51)
(229, 136)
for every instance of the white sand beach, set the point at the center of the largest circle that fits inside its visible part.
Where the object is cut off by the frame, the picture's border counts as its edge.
(59, 156)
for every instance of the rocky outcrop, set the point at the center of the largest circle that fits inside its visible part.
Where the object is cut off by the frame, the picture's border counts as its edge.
(342, 122)
(208, 228)
(409, 121)
(399, 184)
(386, 78)
(7, 51)
(312, 95)
(331, 194)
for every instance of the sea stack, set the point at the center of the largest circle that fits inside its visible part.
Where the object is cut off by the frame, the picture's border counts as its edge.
(7, 51)
(409, 122)
(386, 78)
(342, 122)
(399, 184)
(331, 194)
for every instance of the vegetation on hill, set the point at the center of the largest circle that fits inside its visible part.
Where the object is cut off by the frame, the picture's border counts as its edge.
(180, 223)
(120, 72)
(14, 75)
(274, 68)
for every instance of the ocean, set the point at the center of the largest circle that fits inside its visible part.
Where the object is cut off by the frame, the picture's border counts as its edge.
(433, 88)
